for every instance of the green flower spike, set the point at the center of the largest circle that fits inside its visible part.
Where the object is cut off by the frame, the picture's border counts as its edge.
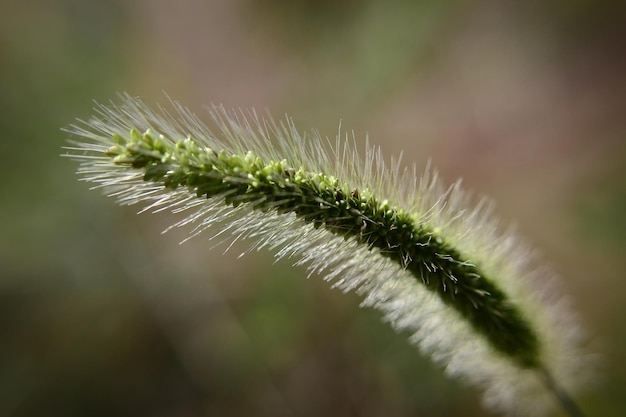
(472, 297)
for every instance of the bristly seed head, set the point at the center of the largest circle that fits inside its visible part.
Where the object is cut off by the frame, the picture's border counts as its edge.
(433, 267)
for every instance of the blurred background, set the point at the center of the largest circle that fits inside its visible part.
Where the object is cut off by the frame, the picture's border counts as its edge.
(101, 315)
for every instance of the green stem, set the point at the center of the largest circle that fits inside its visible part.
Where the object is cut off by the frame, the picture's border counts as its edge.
(566, 402)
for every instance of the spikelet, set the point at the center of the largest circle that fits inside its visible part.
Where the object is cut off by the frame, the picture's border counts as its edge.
(437, 264)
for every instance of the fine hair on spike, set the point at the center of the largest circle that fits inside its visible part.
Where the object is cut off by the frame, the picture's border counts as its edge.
(431, 258)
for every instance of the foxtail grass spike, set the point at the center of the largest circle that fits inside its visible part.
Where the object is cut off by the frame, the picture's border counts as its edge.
(432, 259)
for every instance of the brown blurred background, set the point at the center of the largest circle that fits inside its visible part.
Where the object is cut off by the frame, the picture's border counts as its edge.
(101, 315)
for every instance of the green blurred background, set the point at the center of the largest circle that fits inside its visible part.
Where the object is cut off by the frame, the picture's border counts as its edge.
(101, 315)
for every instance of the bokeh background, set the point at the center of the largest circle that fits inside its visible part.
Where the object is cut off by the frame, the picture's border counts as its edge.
(101, 315)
